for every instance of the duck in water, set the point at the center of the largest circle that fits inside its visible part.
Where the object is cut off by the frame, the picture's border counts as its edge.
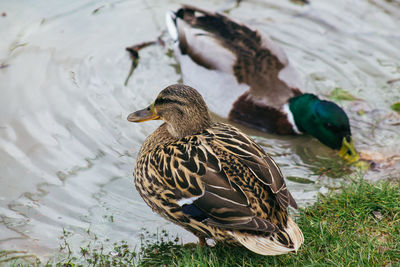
(244, 76)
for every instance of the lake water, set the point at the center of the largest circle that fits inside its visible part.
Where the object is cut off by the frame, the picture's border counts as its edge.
(67, 152)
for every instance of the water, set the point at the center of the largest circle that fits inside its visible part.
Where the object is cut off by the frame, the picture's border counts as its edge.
(67, 152)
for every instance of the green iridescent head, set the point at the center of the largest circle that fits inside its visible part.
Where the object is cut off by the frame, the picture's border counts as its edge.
(326, 121)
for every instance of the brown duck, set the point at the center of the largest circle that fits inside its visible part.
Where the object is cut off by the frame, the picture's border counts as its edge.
(211, 178)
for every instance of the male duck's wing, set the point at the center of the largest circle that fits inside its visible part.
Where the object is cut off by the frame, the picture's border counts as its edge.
(197, 42)
(215, 41)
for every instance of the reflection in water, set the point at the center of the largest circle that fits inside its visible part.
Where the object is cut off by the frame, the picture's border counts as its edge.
(67, 151)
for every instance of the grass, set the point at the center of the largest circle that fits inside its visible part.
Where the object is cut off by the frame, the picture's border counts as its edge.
(360, 226)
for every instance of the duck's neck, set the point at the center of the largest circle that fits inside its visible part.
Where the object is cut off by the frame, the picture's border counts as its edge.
(160, 136)
(300, 112)
(188, 127)
(290, 118)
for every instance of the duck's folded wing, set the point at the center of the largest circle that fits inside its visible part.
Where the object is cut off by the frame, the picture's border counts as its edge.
(227, 206)
(261, 165)
(203, 190)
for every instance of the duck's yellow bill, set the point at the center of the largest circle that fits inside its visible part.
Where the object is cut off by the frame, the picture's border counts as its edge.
(145, 114)
(348, 152)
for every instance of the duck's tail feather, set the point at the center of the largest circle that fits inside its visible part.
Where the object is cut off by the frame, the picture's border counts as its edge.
(283, 242)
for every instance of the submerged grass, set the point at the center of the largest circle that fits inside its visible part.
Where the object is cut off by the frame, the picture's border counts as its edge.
(360, 226)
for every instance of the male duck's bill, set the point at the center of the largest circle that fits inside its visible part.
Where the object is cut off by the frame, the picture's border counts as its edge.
(146, 114)
(265, 89)
(348, 151)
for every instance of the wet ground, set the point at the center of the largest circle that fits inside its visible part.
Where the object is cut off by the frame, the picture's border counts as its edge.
(67, 152)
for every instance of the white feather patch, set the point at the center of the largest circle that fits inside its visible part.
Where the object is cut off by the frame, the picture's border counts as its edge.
(289, 115)
(187, 201)
(171, 27)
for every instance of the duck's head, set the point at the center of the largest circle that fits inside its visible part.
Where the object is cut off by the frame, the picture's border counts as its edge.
(181, 107)
(326, 121)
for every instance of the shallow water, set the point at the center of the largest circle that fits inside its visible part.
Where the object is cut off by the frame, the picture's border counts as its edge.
(67, 151)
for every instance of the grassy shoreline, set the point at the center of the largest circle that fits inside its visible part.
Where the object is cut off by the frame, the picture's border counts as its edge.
(359, 226)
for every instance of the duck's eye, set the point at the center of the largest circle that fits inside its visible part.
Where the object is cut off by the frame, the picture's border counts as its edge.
(331, 127)
(148, 108)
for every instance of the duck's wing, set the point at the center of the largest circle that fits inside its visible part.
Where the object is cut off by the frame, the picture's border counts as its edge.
(197, 183)
(262, 166)
(202, 189)
(215, 41)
